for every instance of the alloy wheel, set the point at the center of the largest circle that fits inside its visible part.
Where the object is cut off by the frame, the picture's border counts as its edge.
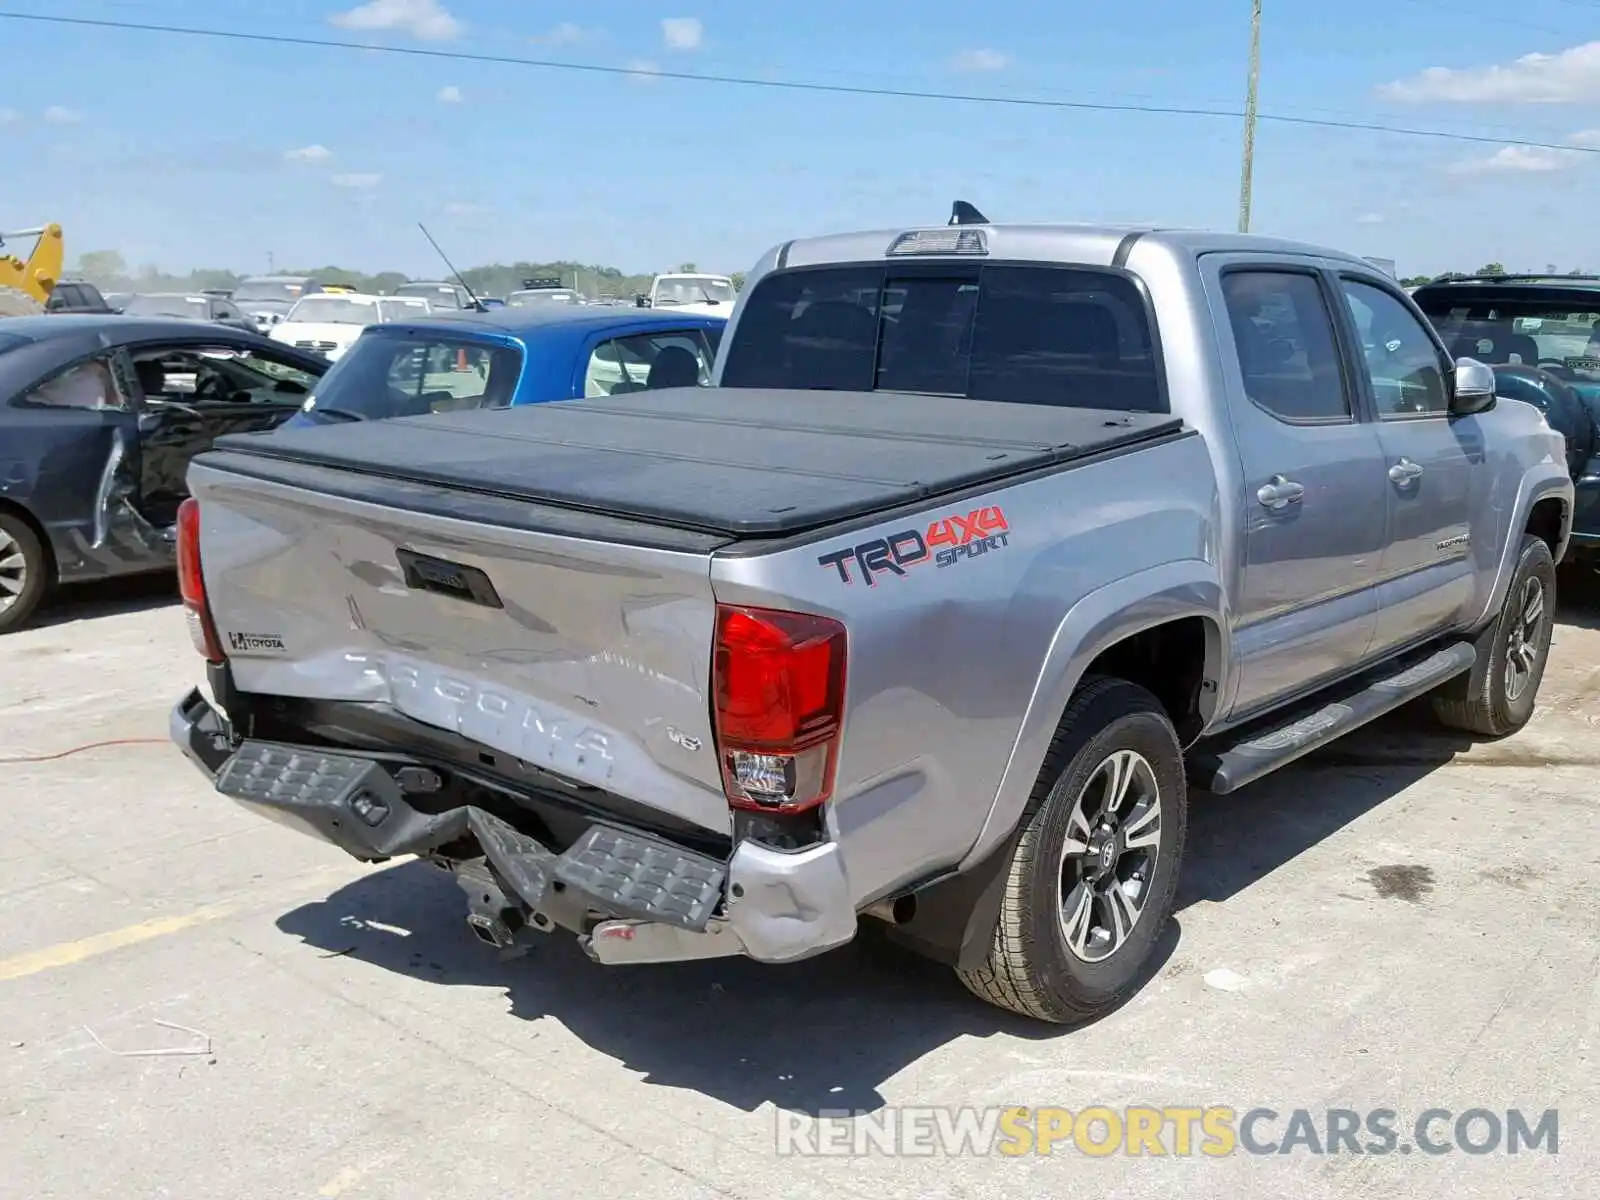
(13, 570)
(1109, 859)
(1522, 648)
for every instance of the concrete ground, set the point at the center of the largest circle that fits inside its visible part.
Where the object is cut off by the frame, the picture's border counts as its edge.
(1405, 923)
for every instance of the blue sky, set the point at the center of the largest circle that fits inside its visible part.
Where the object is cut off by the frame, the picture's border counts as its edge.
(190, 152)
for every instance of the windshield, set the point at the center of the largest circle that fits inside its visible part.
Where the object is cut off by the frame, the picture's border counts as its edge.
(385, 375)
(1072, 337)
(252, 290)
(402, 310)
(439, 293)
(167, 306)
(1564, 339)
(334, 310)
(542, 296)
(693, 289)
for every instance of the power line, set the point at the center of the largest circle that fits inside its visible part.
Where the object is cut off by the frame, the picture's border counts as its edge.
(791, 85)
(1510, 21)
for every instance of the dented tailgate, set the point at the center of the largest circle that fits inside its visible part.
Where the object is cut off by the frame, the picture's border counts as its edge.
(586, 657)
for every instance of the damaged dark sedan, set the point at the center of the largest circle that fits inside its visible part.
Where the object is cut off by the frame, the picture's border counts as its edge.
(99, 417)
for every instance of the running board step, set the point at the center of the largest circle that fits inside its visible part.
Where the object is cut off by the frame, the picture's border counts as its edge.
(1225, 768)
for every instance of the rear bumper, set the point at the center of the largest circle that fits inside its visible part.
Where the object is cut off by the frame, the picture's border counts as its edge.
(630, 896)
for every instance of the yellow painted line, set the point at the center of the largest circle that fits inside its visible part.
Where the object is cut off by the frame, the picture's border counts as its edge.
(65, 954)
(342, 1182)
(349, 1177)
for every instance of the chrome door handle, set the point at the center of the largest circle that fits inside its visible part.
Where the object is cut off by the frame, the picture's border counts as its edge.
(1405, 471)
(1279, 492)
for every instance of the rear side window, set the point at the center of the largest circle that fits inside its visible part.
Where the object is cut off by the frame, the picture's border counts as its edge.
(1283, 334)
(1064, 336)
(407, 376)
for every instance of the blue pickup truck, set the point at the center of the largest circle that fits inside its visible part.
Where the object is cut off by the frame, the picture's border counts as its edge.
(511, 357)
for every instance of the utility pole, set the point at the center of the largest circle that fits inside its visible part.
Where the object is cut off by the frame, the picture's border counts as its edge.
(1247, 172)
(272, 264)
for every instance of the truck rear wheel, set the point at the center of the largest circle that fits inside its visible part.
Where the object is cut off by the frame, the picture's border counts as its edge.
(1497, 696)
(1096, 868)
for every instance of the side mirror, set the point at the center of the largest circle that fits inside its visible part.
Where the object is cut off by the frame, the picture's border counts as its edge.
(1474, 388)
(641, 301)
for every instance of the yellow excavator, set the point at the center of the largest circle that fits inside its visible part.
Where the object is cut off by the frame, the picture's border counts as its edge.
(25, 285)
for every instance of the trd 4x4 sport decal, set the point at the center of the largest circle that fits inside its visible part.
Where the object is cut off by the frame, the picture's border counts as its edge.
(945, 542)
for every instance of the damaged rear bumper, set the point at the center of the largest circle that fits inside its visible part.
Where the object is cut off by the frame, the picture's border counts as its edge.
(630, 896)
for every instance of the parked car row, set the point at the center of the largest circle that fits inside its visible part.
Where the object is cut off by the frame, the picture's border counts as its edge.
(100, 416)
(984, 545)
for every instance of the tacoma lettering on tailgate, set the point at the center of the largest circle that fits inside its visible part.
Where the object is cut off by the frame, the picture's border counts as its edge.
(500, 719)
(944, 543)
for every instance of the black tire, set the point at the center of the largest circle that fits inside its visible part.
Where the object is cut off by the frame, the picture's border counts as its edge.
(18, 540)
(1486, 700)
(1031, 969)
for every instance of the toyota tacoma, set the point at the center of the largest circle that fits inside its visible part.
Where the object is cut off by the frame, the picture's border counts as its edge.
(989, 544)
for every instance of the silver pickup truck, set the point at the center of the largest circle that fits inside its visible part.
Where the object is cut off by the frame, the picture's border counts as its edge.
(990, 544)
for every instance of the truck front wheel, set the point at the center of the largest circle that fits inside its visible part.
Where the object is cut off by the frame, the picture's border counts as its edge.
(1092, 882)
(1497, 696)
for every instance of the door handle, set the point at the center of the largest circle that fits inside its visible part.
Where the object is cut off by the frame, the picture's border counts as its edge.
(1405, 471)
(1279, 492)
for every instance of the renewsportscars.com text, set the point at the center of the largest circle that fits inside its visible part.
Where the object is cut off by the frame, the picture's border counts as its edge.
(1149, 1131)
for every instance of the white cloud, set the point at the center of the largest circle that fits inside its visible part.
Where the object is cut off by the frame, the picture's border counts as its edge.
(314, 153)
(642, 70)
(427, 20)
(57, 115)
(457, 208)
(449, 95)
(1522, 159)
(682, 33)
(1569, 77)
(564, 34)
(358, 180)
(1370, 219)
(982, 59)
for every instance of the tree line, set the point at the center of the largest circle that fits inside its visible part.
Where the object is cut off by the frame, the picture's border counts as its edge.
(108, 270)
(1493, 268)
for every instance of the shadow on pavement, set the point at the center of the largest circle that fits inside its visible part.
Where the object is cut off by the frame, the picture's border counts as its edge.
(107, 597)
(1238, 839)
(825, 1034)
(1578, 597)
(811, 1037)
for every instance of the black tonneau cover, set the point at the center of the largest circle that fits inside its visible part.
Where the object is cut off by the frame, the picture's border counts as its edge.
(734, 461)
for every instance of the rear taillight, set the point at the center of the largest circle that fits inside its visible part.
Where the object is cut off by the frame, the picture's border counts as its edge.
(778, 688)
(192, 583)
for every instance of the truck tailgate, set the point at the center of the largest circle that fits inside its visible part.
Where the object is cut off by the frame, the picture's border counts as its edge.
(584, 656)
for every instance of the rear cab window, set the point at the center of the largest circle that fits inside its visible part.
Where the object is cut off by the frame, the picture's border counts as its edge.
(414, 373)
(1069, 336)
